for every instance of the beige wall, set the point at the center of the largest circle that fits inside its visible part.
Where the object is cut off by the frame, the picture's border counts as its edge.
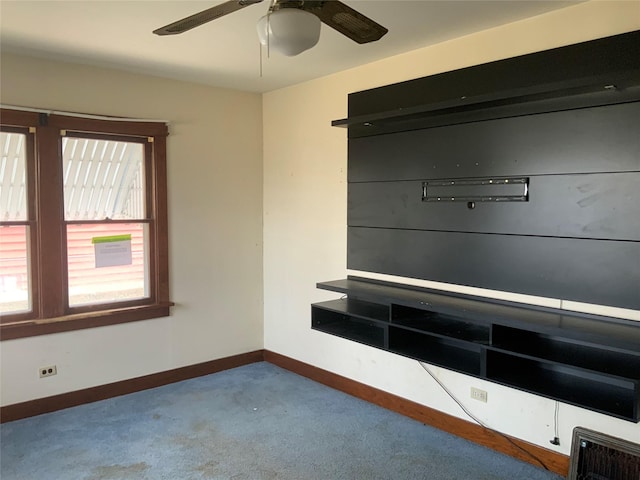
(215, 229)
(305, 202)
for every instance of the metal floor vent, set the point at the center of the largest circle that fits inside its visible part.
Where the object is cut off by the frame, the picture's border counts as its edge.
(596, 456)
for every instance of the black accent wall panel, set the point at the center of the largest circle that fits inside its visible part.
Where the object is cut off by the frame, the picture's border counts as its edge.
(592, 271)
(589, 140)
(598, 206)
(521, 175)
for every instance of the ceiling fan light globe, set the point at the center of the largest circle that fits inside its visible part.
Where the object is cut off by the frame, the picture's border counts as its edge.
(289, 31)
(263, 30)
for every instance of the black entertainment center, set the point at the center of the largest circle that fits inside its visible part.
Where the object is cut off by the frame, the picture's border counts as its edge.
(520, 175)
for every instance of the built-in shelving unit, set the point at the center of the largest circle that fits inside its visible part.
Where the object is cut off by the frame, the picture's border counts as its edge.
(585, 360)
(518, 175)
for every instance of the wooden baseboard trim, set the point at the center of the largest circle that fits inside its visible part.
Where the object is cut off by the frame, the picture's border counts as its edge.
(71, 399)
(549, 459)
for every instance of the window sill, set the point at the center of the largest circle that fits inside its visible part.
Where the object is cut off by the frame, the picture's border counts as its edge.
(67, 323)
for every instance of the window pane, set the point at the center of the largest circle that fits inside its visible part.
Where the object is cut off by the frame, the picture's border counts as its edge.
(103, 179)
(107, 263)
(13, 191)
(14, 270)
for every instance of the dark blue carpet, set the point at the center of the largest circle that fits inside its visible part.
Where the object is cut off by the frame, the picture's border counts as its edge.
(252, 422)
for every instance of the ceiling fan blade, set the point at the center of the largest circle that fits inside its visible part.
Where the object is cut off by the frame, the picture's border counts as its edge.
(348, 21)
(203, 17)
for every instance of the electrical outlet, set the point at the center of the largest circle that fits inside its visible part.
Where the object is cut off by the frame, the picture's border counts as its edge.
(48, 371)
(477, 394)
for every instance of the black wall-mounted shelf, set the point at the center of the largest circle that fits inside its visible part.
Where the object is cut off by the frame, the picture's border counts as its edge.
(599, 72)
(590, 361)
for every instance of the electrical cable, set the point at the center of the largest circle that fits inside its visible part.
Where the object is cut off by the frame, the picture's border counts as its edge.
(556, 438)
(555, 418)
(478, 421)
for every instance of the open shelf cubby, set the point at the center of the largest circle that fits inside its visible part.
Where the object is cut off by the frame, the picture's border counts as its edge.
(348, 319)
(566, 351)
(439, 323)
(585, 360)
(459, 356)
(609, 394)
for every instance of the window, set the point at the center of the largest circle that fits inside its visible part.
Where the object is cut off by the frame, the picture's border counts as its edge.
(83, 222)
(15, 231)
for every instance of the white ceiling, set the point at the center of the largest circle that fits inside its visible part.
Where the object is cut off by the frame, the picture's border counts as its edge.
(226, 51)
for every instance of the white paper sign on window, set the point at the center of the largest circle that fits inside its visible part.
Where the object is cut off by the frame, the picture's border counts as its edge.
(112, 251)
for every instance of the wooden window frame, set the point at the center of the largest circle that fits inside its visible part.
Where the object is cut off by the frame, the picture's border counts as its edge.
(47, 226)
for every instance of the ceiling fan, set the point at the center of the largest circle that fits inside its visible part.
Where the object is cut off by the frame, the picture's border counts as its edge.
(290, 26)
